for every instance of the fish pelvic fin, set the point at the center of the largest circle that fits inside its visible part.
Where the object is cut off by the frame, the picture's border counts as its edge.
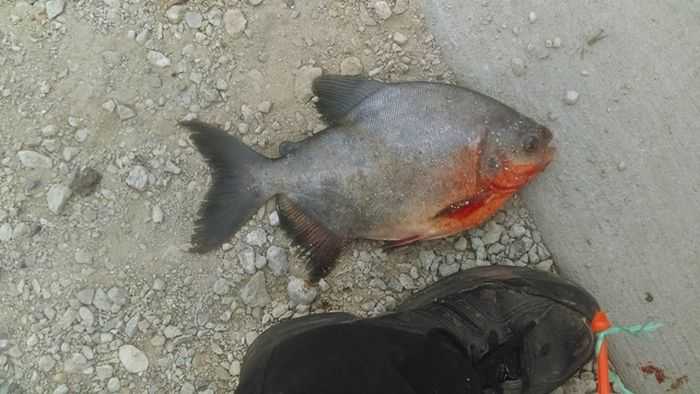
(338, 95)
(321, 246)
(235, 193)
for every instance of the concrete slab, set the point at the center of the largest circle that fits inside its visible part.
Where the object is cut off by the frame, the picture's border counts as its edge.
(620, 207)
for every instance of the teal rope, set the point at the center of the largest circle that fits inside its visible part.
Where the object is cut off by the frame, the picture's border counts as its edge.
(636, 330)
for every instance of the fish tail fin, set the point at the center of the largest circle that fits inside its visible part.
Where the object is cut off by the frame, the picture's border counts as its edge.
(235, 193)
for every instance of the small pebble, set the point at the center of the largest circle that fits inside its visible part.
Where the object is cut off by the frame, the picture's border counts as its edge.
(277, 260)
(255, 2)
(31, 159)
(157, 214)
(382, 9)
(351, 66)
(158, 284)
(518, 66)
(400, 7)
(193, 19)
(133, 359)
(137, 178)
(532, 17)
(171, 332)
(257, 237)
(235, 22)
(125, 112)
(221, 287)
(254, 293)
(461, 244)
(46, 363)
(265, 107)
(158, 59)
(299, 294)
(54, 8)
(571, 97)
(114, 385)
(57, 197)
(400, 38)
(175, 13)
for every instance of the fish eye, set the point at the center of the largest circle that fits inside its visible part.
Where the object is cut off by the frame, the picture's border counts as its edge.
(531, 143)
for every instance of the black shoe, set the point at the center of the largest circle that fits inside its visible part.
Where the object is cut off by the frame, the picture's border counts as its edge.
(485, 330)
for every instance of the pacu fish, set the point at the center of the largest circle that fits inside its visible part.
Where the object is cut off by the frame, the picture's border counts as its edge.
(399, 162)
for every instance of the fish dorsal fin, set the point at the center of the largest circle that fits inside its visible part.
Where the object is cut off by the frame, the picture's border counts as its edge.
(338, 95)
(321, 246)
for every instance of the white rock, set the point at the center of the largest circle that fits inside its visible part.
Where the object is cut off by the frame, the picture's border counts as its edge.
(351, 66)
(274, 219)
(277, 260)
(158, 59)
(493, 233)
(61, 389)
(82, 134)
(114, 385)
(193, 19)
(246, 258)
(382, 9)
(461, 244)
(5, 232)
(46, 363)
(158, 284)
(518, 66)
(254, 293)
(532, 16)
(171, 332)
(400, 7)
(235, 22)
(137, 178)
(49, 131)
(400, 38)
(55, 8)
(175, 13)
(235, 368)
(125, 112)
(299, 293)
(255, 2)
(31, 159)
(221, 287)
(157, 214)
(57, 197)
(76, 363)
(104, 371)
(257, 237)
(571, 97)
(86, 316)
(133, 359)
(265, 107)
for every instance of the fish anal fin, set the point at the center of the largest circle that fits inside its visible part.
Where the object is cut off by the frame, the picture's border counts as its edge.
(321, 246)
(338, 95)
(462, 209)
(391, 245)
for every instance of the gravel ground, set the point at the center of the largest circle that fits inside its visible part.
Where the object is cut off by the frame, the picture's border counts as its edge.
(98, 187)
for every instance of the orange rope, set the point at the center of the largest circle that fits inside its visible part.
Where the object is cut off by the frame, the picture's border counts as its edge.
(601, 323)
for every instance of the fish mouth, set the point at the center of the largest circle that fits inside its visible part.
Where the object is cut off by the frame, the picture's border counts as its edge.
(518, 175)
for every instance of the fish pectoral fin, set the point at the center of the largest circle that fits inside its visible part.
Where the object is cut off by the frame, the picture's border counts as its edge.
(321, 246)
(463, 208)
(391, 245)
(338, 95)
